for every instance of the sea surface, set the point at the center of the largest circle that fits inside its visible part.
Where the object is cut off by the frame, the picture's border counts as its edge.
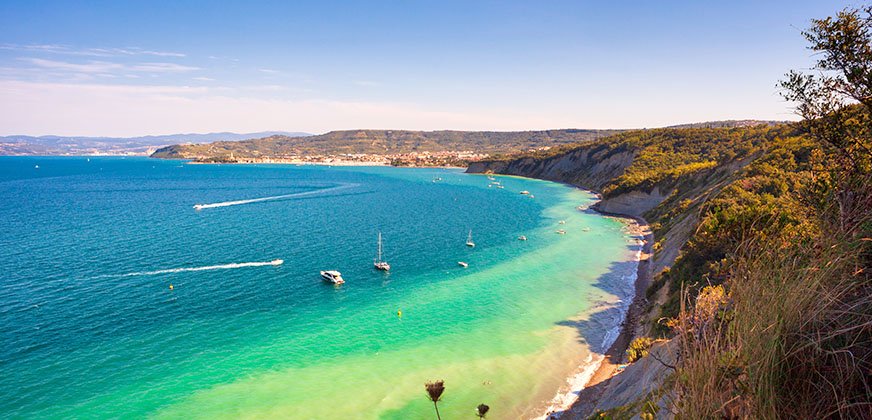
(91, 327)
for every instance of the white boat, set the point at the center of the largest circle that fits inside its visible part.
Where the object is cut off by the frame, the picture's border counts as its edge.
(378, 263)
(562, 222)
(561, 232)
(332, 276)
(522, 238)
(469, 241)
(500, 186)
(198, 206)
(525, 192)
(277, 262)
(462, 264)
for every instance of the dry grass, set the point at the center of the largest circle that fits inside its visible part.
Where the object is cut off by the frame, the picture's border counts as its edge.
(791, 338)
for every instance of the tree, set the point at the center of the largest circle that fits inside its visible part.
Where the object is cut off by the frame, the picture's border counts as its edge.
(835, 104)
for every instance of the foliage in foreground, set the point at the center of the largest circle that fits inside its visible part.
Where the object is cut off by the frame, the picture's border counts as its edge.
(787, 332)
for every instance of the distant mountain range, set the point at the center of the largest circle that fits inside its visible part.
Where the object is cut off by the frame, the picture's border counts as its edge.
(383, 142)
(145, 145)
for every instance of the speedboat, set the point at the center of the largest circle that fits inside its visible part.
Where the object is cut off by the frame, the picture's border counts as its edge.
(462, 264)
(525, 192)
(332, 276)
(561, 232)
(522, 238)
(469, 241)
(277, 262)
(198, 206)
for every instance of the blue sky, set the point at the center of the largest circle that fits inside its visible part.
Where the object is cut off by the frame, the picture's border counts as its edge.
(136, 68)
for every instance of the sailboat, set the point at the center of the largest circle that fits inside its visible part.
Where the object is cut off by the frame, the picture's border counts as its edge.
(378, 263)
(469, 241)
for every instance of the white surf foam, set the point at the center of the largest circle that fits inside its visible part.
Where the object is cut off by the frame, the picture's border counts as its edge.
(576, 383)
(204, 268)
(275, 197)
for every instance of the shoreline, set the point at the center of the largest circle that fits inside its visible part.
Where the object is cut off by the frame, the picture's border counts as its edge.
(591, 373)
(600, 367)
(616, 353)
(343, 163)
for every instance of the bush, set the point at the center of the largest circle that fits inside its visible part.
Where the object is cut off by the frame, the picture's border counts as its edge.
(639, 348)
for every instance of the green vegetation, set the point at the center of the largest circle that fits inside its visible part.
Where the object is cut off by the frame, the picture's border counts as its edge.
(789, 334)
(384, 142)
(639, 348)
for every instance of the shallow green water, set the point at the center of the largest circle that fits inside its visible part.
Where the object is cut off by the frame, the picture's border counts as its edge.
(91, 328)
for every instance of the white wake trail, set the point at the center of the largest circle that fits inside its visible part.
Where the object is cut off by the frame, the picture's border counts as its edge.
(204, 268)
(275, 197)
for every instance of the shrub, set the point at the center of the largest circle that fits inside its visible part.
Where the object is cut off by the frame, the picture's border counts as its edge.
(639, 348)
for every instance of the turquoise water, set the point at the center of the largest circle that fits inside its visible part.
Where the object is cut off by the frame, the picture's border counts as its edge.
(91, 328)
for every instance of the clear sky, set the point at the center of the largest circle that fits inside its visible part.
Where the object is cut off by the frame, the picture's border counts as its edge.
(150, 67)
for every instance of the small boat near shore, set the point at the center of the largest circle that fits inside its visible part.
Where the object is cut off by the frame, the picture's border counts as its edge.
(332, 276)
(561, 232)
(462, 264)
(522, 238)
(469, 241)
(525, 192)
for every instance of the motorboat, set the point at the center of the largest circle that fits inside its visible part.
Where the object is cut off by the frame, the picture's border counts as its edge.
(462, 264)
(469, 241)
(332, 276)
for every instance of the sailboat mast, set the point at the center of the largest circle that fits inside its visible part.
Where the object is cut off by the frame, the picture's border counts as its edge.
(379, 247)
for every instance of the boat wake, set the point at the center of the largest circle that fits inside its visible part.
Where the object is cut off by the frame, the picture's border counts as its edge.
(275, 197)
(204, 268)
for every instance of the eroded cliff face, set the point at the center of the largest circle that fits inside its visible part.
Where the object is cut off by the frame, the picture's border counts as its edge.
(585, 167)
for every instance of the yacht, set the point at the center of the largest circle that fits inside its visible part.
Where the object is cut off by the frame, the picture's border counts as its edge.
(522, 238)
(469, 241)
(379, 263)
(332, 276)
(462, 264)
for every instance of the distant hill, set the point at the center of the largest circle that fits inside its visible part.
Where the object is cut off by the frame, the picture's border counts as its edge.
(730, 124)
(78, 145)
(385, 142)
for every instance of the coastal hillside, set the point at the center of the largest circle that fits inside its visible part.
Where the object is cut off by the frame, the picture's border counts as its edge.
(382, 142)
(716, 199)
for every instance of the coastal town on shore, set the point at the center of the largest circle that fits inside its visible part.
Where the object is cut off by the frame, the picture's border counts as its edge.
(449, 158)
